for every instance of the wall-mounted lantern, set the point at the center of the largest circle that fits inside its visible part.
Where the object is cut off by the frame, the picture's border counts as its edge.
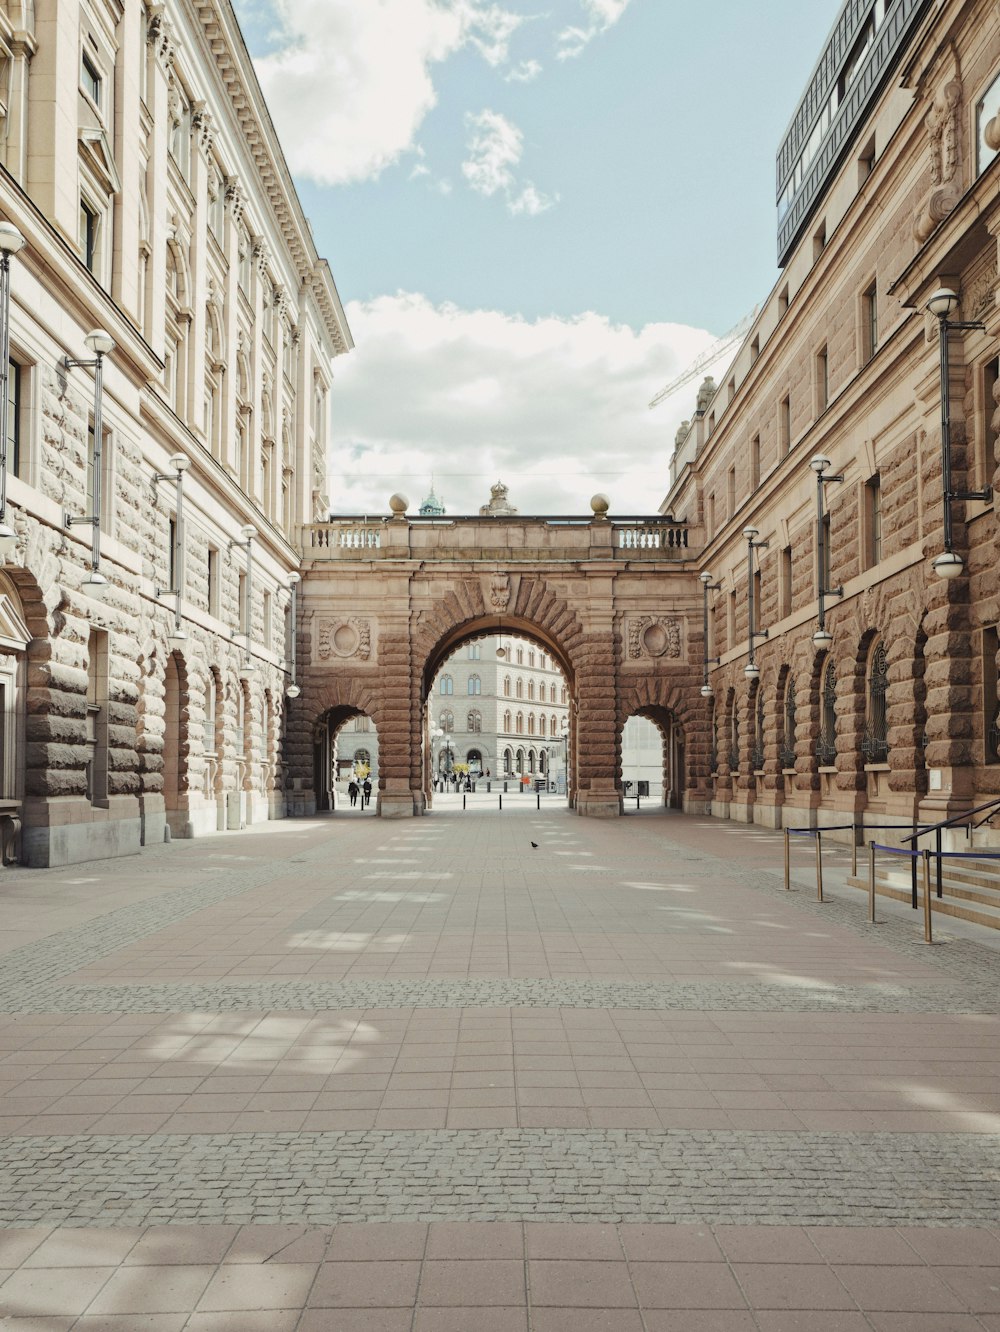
(942, 303)
(751, 669)
(100, 343)
(11, 243)
(179, 462)
(294, 578)
(707, 586)
(822, 638)
(247, 534)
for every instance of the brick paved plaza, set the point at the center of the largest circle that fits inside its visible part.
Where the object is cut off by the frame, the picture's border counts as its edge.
(345, 1073)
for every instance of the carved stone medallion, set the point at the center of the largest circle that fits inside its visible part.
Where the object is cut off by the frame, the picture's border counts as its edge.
(654, 636)
(344, 638)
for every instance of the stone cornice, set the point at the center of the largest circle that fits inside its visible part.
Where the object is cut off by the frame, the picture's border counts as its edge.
(227, 51)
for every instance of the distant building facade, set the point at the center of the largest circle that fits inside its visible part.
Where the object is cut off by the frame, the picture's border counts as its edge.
(141, 168)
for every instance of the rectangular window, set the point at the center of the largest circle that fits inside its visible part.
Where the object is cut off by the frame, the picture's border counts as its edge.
(785, 426)
(987, 459)
(97, 718)
(873, 521)
(755, 462)
(213, 581)
(90, 80)
(172, 538)
(89, 229)
(731, 491)
(785, 583)
(822, 380)
(869, 323)
(991, 730)
(14, 460)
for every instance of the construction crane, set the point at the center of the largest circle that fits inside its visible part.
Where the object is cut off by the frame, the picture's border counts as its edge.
(709, 356)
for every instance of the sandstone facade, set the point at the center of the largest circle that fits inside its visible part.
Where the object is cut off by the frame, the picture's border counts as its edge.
(143, 173)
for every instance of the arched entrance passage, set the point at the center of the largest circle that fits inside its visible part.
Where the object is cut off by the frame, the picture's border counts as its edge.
(685, 730)
(653, 758)
(176, 710)
(345, 748)
(491, 690)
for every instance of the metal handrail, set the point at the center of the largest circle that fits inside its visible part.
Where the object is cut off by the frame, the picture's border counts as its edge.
(956, 819)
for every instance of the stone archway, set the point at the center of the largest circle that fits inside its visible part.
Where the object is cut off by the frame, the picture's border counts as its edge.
(176, 745)
(685, 726)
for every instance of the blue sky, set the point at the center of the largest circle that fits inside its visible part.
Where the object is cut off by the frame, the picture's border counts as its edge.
(535, 217)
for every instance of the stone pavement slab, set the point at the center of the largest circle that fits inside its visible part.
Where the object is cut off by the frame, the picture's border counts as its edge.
(344, 1074)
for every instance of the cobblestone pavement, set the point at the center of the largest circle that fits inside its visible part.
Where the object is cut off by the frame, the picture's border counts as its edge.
(346, 1074)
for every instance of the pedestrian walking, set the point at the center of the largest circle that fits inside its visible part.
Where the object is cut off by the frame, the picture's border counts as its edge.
(352, 791)
(367, 792)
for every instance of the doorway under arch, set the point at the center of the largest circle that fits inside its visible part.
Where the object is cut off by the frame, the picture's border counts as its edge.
(176, 746)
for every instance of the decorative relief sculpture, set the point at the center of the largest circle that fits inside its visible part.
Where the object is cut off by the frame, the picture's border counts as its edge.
(500, 591)
(980, 295)
(654, 636)
(345, 638)
(944, 141)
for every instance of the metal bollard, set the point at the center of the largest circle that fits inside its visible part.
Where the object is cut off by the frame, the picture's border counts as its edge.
(500, 798)
(538, 799)
(637, 803)
(819, 866)
(928, 929)
(463, 799)
(871, 882)
(788, 883)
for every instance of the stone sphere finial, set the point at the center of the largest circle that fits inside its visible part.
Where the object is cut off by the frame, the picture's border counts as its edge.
(398, 504)
(600, 505)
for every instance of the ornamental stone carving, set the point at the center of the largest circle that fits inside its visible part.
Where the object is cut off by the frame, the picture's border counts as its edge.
(160, 37)
(944, 142)
(654, 636)
(203, 126)
(344, 638)
(500, 591)
(234, 197)
(980, 295)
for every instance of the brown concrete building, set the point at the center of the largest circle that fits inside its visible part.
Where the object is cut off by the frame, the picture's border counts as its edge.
(888, 189)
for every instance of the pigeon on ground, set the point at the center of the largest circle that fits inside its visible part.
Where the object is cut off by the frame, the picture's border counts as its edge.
(535, 845)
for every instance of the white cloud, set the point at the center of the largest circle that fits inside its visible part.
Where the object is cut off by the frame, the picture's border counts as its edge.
(555, 407)
(350, 83)
(495, 146)
(602, 14)
(525, 72)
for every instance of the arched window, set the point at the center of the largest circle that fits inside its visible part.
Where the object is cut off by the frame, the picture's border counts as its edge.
(531, 689)
(552, 692)
(531, 658)
(552, 725)
(447, 720)
(506, 721)
(508, 762)
(875, 744)
(541, 724)
(475, 721)
(447, 684)
(475, 652)
(531, 723)
(563, 695)
(475, 761)
(531, 761)
(788, 739)
(519, 760)
(520, 656)
(826, 745)
(519, 688)
(475, 685)
(757, 756)
(506, 686)
(519, 724)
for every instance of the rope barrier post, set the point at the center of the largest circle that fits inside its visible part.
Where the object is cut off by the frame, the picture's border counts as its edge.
(871, 882)
(928, 931)
(938, 852)
(500, 798)
(463, 799)
(854, 848)
(788, 884)
(913, 881)
(637, 803)
(538, 799)
(819, 866)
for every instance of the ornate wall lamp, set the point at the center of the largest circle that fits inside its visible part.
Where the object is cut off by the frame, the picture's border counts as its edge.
(751, 669)
(822, 638)
(942, 303)
(100, 343)
(707, 586)
(247, 534)
(11, 242)
(180, 462)
(294, 578)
